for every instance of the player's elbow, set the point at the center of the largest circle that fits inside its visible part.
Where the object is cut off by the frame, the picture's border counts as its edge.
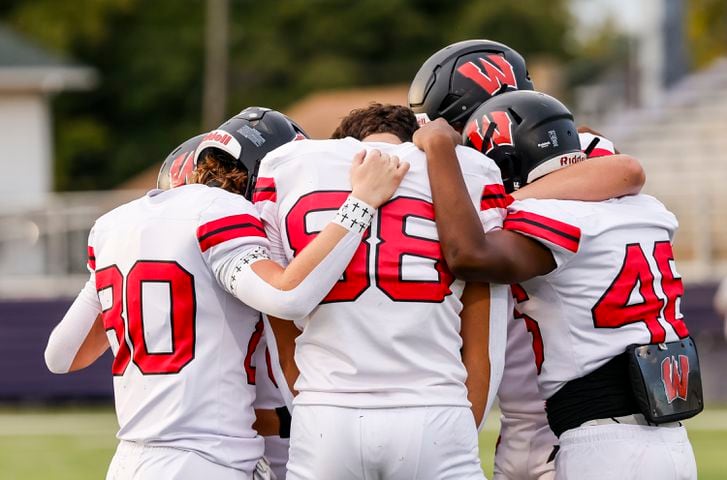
(468, 265)
(289, 307)
(54, 360)
(633, 172)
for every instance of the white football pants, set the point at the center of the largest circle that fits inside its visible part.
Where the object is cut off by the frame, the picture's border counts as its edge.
(625, 452)
(422, 443)
(136, 461)
(276, 451)
(525, 446)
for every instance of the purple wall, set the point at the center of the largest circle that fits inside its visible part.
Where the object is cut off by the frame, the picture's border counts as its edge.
(24, 330)
(25, 326)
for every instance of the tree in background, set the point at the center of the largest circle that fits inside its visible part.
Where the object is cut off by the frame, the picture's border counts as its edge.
(707, 30)
(150, 57)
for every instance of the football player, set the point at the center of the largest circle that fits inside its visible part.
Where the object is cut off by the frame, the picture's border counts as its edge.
(387, 358)
(598, 291)
(272, 418)
(451, 84)
(167, 271)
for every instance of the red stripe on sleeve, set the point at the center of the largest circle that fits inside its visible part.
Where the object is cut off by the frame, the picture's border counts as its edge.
(264, 190)
(262, 195)
(494, 196)
(554, 231)
(600, 152)
(91, 258)
(265, 182)
(235, 226)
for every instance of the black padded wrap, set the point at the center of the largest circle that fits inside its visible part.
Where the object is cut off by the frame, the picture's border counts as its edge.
(603, 393)
(284, 418)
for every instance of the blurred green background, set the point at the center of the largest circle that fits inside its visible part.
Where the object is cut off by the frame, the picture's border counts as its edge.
(150, 56)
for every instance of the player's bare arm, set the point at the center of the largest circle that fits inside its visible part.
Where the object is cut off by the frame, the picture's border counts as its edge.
(375, 176)
(597, 179)
(94, 345)
(285, 334)
(600, 178)
(475, 333)
(501, 256)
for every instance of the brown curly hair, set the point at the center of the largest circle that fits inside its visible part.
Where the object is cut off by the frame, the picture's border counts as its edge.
(378, 118)
(216, 168)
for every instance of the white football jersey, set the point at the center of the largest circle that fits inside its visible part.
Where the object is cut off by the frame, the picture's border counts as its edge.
(268, 395)
(183, 346)
(387, 335)
(615, 283)
(519, 392)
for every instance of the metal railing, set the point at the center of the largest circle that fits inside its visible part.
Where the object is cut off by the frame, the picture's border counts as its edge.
(43, 250)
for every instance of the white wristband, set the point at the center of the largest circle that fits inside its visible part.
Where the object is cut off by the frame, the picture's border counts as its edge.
(354, 215)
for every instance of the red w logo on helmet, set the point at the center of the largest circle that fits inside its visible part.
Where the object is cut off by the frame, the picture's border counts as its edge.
(675, 376)
(497, 72)
(501, 132)
(180, 170)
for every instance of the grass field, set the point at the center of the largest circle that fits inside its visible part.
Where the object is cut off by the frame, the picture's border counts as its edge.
(75, 444)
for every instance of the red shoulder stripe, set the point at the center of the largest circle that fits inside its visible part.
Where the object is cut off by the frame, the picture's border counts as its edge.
(235, 226)
(264, 190)
(599, 152)
(494, 196)
(91, 258)
(554, 231)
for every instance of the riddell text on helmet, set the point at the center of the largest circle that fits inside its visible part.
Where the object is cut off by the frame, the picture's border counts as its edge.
(571, 159)
(218, 136)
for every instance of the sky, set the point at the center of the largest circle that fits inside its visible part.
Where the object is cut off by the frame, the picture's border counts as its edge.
(628, 13)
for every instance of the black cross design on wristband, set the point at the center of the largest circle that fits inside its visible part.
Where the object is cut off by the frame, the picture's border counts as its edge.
(355, 206)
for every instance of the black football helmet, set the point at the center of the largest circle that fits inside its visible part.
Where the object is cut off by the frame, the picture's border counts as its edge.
(249, 136)
(528, 134)
(178, 165)
(453, 82)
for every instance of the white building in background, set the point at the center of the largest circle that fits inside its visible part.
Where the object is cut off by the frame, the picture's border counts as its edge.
(35, 227)
(29, 75)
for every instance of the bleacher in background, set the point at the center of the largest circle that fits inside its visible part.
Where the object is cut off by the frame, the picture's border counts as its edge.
(683, 146)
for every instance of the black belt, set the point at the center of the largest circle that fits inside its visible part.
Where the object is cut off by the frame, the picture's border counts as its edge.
(605, 392)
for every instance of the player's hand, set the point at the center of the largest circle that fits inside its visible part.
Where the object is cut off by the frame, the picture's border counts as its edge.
(375, 176)
(436, 131)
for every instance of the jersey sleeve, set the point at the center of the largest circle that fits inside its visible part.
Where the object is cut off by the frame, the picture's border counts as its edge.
(265, 199)
(229, 226)
(68, 336)
(541, 220)
(485, 187)
(91, 251)
(596, 145)
(493, 204)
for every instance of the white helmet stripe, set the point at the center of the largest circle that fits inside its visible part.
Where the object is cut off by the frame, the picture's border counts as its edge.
(222, 140)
